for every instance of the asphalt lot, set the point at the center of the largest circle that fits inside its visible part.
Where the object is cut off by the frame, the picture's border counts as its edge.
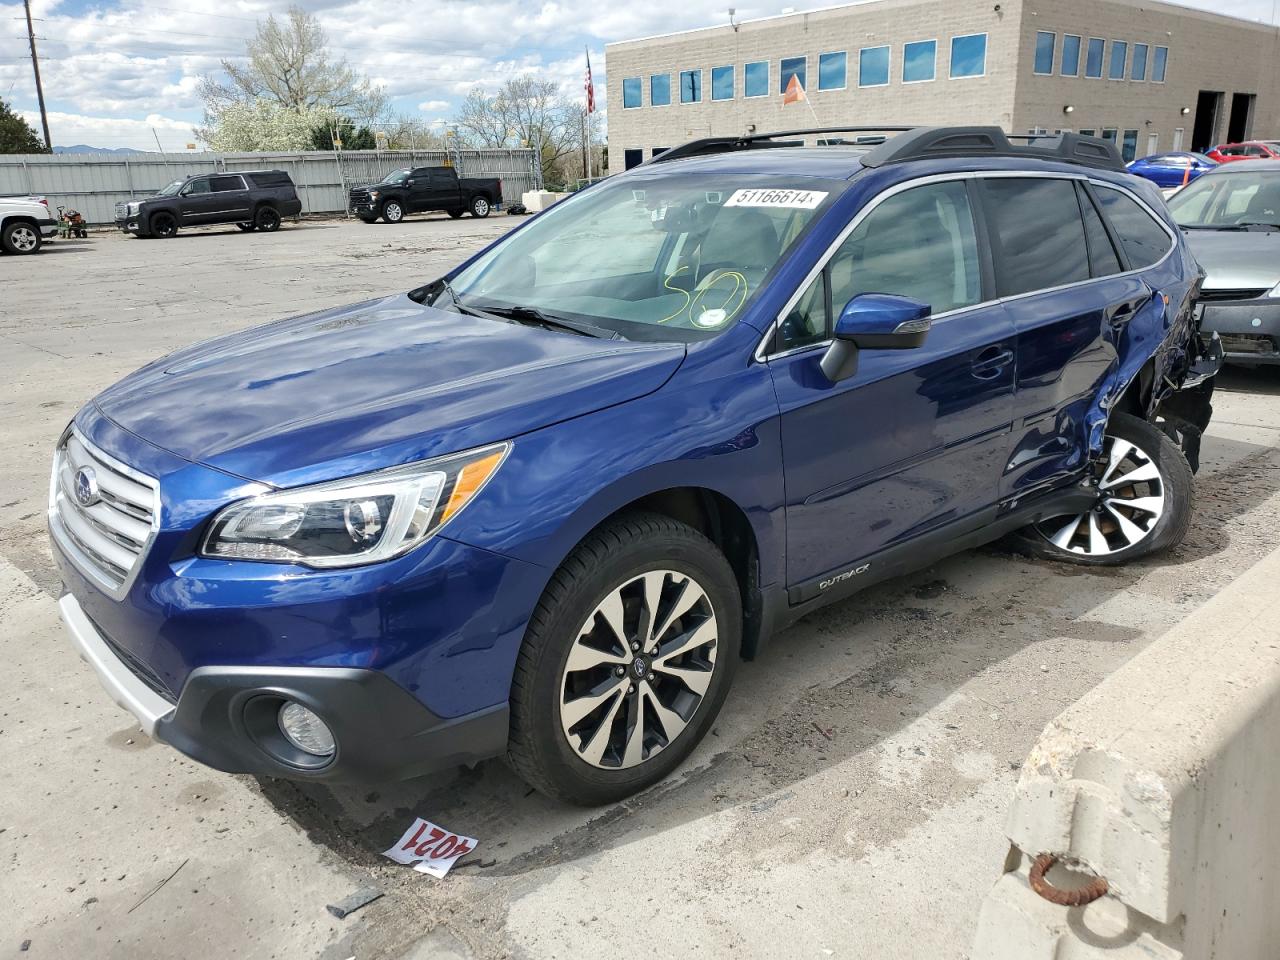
(849, 802)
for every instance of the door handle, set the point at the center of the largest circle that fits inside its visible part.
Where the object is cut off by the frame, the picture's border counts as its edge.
(991, 362)
(1118, 314)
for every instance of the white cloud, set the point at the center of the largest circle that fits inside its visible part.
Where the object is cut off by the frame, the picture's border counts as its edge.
(71, 128)
(433, 106)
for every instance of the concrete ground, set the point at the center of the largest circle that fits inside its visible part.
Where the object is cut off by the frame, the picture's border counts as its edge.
(849, 802)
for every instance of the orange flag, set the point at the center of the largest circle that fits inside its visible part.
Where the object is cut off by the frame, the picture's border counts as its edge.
(795, 92)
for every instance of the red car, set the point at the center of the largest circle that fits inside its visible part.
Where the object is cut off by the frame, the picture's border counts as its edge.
(1249, 150)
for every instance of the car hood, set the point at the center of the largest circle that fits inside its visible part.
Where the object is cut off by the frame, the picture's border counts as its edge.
(1237, 260)
(372, 385)
(27, 206)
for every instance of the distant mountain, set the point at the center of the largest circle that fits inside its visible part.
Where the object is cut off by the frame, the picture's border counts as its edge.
(85, 148)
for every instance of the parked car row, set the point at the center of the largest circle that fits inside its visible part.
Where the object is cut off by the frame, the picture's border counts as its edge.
(541, 506)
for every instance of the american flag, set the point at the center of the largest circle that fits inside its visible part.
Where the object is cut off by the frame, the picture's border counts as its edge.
(590, 87)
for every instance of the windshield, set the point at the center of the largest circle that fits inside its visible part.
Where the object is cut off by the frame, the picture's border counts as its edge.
(1225, 201)
(658, 257)
(172, 189)
(395, 176)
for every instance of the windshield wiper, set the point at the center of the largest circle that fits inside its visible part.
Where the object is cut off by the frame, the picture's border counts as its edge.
(1231, 227)
(532, 315)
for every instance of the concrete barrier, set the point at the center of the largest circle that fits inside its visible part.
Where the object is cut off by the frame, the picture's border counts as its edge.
(535, 201)
(1165, 780)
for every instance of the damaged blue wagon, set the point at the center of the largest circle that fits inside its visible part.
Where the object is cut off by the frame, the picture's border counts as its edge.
(541, 507)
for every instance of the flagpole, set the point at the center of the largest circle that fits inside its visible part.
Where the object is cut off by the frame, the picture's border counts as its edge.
(591, 82)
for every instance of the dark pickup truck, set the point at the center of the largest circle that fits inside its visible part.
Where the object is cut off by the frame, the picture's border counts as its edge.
(251, 199)
(422, 189)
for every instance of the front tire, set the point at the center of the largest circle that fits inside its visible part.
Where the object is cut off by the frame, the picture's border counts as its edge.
(626, 661)
(480, 207)
(21, 238)
(164, 226)
(392, 211)
(454, 214)
(1146, 493)
(246, 227)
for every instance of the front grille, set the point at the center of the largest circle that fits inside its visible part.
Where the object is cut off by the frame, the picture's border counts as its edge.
(1247, 343)
(359, 197)
(1221, 296)
(107, 533)
(122, 211)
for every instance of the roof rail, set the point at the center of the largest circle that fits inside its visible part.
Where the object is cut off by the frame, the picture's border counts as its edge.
(755, 141)
(926, 143)
(923, 143)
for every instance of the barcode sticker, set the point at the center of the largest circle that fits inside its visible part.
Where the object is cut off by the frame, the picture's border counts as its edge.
(429, 848)
(769, 197)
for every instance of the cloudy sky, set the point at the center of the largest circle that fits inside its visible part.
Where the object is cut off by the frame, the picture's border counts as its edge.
(116, 70)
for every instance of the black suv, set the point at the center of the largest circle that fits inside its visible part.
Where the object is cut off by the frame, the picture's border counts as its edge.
(251, 199)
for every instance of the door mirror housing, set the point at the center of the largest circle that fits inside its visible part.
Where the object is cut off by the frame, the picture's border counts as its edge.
(874, 321)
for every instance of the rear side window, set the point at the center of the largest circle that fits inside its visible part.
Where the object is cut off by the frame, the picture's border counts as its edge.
(1144, 240)
(269, 178)
(223, 184)
(1039, 232)
(1103, 261)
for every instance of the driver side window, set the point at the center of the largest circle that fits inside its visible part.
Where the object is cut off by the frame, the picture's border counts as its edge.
(921, 243)
(196, 188)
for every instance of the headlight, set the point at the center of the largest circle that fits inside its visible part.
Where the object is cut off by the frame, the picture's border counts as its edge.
(359, 520)
(1275, 292)
(373, 194)
(133, 209)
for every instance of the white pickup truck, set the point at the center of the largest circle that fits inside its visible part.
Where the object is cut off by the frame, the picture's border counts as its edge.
(25, 223)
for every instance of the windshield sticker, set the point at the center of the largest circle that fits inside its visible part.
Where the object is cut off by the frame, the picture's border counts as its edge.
(766, 197)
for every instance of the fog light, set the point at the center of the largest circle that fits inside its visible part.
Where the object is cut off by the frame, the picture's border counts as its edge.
(305, 730)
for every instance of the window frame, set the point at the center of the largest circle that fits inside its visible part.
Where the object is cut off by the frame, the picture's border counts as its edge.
(768, 87)
(629, 153)
(654, 103)
(692, 71)
(1123, 47)
(845, 71)
(951, 56)
(1102, 58)
(919, 43)
(733, 83)
(1035, 53)
(1062, 63)
(782, 73)
(766, 350)
(1123, 143)
(888, 66)
(1164, 66)
(639, 81)
(1133, 61)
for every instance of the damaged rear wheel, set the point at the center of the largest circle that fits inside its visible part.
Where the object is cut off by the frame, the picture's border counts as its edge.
(1144, 501)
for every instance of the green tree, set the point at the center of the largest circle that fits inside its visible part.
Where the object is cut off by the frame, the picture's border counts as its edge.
(16, 135)
(353, 138)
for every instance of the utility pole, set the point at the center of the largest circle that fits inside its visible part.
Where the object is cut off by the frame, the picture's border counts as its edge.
(35, 65)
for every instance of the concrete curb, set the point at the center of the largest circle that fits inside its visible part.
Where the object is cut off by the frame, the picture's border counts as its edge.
(1165, 780)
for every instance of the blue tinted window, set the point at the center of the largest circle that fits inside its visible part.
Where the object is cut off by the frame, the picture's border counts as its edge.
(969, 55)
(1158, 64)
(1093, 60)
(690, 86)
(660, 89)
(919, 61)
(1119, 55)
(722, 83)
(831, 71)
(1139, 69)
(1070, 56)
(873, 66)
(1129, 146)
(631, 94)
(792, 67)
(1045, 42)
(755, 77)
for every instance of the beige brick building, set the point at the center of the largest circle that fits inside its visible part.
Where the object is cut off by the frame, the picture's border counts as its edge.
(1152, 76)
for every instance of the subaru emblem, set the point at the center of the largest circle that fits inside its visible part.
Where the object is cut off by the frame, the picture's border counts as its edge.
(86, 488)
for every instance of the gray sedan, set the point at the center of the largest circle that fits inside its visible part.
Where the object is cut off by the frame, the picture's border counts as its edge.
(1231, 216)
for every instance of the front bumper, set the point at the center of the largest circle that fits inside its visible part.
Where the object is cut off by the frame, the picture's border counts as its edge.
(48, 229)
(225, 717)
(1249, 329)
(129, 225)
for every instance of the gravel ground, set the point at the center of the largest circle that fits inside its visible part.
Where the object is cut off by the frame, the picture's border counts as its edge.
(848, 803)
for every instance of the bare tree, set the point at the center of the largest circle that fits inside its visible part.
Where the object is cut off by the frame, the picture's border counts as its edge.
(525, 111)
(288, 64)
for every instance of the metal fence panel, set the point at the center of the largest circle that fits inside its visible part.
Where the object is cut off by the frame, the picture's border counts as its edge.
(95, 183)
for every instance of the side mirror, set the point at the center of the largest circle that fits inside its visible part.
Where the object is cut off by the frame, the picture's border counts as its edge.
(874, 321)
(408, 183)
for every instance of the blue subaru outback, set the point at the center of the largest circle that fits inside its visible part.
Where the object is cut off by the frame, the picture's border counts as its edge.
(540, 508)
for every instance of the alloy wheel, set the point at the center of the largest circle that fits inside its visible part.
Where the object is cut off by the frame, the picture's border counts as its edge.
(164, 225)
(638, 669)
(393, 212)
(1131, 501)
(481, 207)
(24, 239)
